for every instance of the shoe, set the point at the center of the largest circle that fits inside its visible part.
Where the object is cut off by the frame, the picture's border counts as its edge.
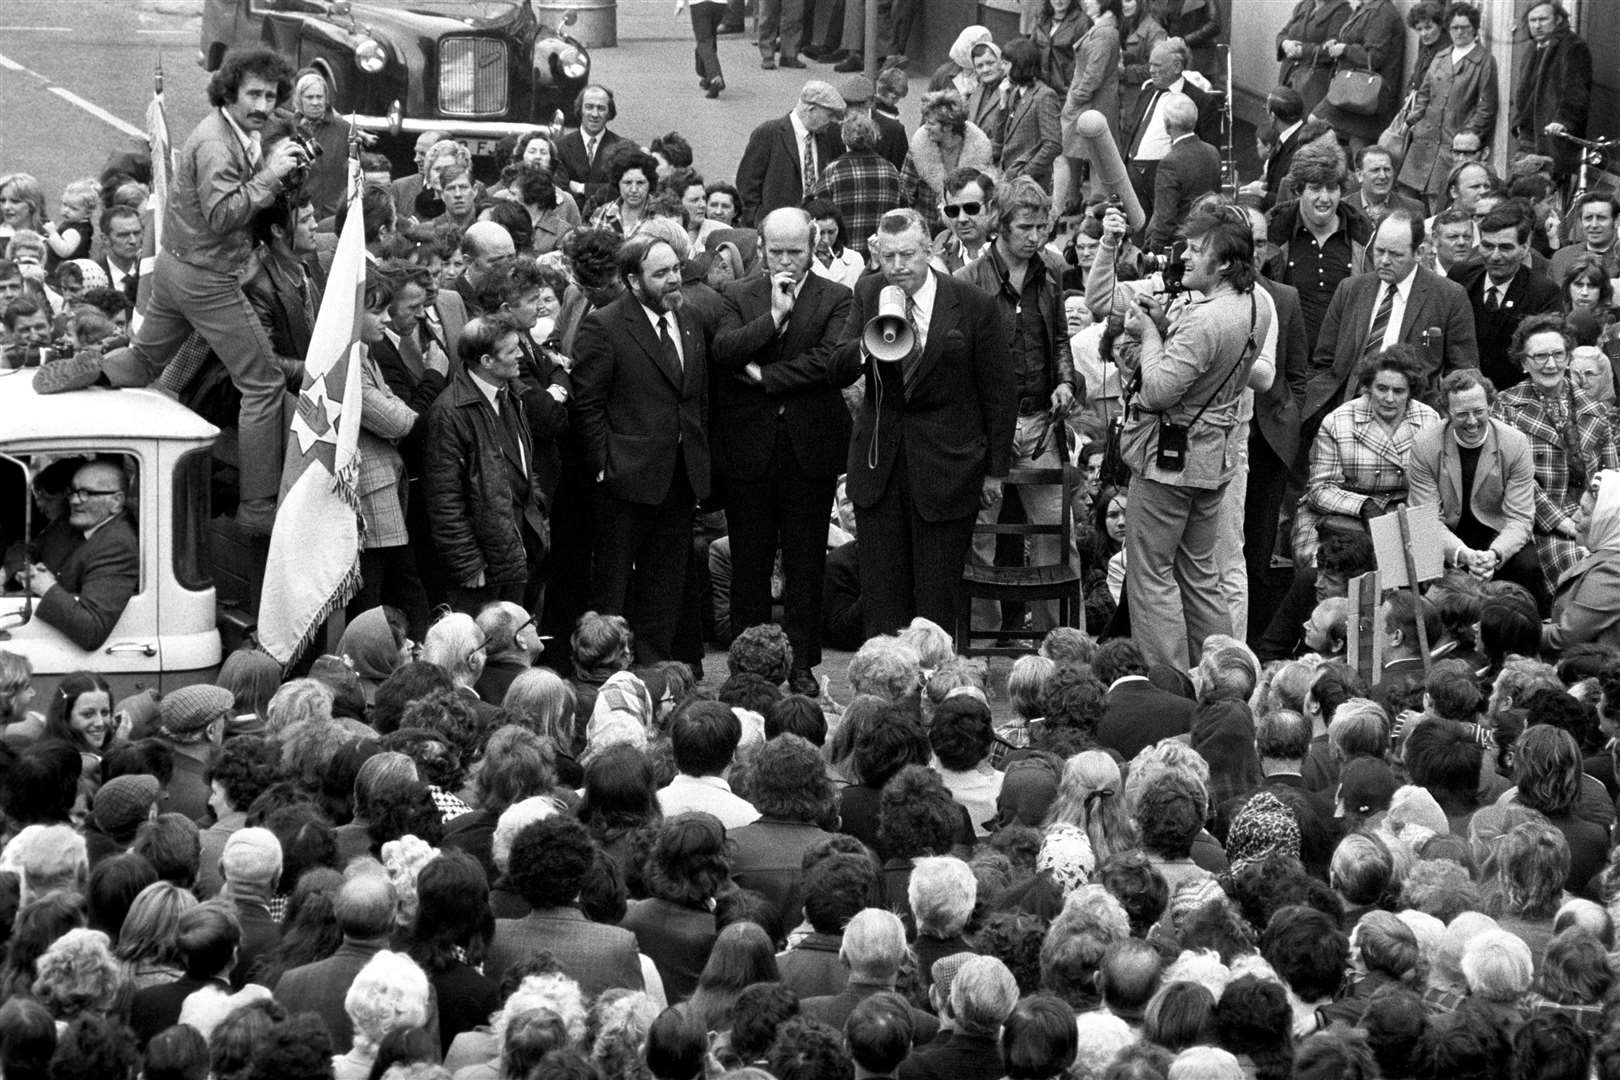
(703, 84)
(256, 516)
(714, 88)
(836, 56)
(730, 28)
(852, 62)
(803, 681)
(767, 64)
(816, 53)
(792, 62)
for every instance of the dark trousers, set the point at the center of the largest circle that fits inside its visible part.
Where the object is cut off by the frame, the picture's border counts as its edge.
(706, 20)
(429, 567)
(909, 566)
(901, 18)
(1525, 569)
(573, 535)
(1268, 477)
(389, 576)
(825, 19)
(789, 509)
(639, 571)
(780, 22)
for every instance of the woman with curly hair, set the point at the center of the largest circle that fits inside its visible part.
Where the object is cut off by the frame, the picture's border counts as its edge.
(917, 817)
(789, 787)
(945, 141)
(883, 738)
(451, 931)
(633, 172)
(685, 870)
(389, 992)
(1359, 461)
(743, 955)
(1091, 797)
(78, 976)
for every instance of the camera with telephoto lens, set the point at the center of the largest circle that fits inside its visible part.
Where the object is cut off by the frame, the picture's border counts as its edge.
(1171, 266)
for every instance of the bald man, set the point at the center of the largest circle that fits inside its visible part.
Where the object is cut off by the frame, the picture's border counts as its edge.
(1191, 167)
(86, 592)
(484, 244)
(780, 432)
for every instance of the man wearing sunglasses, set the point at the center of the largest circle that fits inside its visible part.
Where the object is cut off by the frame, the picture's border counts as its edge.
(86, 592)
(968, 218)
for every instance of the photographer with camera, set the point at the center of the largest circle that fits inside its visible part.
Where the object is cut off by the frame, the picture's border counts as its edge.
(1183, 435)
(222, 180)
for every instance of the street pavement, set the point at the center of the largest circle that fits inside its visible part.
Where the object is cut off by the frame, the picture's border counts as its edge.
(76, 76)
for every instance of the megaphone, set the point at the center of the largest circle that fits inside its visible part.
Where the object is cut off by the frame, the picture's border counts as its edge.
(888, 335)
(1107, 167)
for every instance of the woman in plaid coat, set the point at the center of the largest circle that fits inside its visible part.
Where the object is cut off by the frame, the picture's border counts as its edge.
(1360, 456)
(1569, 437)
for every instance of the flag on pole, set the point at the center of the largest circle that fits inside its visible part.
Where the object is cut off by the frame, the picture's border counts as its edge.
(314, 564)
(162, 150)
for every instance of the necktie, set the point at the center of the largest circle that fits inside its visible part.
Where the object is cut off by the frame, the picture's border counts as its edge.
(305, 298)
(1141, 128)
(1380, 323)
(512, 424)
(672, 355)
(808, 165)
(590, 149)
(909, 367)
(1493, 298)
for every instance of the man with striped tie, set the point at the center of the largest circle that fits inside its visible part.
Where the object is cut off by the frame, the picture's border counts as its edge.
(1398, 301)
(934, 432)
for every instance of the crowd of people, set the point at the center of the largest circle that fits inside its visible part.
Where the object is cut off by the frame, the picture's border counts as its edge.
(616, 415)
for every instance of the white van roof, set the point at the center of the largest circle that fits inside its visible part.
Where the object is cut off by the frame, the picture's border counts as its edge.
(26, 417)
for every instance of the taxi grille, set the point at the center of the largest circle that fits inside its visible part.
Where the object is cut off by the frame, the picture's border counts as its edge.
(472, 76)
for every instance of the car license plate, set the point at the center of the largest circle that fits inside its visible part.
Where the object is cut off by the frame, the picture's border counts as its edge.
(480, 147)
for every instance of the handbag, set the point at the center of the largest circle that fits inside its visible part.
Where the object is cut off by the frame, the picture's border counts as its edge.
(1355, 91)
(1398, 136)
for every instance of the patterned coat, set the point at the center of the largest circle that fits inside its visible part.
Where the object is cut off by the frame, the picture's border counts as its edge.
(385, 419)
(1356, 459)
(1544, 420)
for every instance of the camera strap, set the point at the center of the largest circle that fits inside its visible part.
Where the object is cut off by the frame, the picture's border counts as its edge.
(1248, 346)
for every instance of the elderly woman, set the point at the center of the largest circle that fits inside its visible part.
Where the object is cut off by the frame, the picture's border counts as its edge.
(389, 992)
(1497, 968)
(1458, 92)
(1094, 85)
(1569, 433)
(633, 172)
(1547, 776)
(318, 121)
(686, 869)
(375, 643)
(945, 141)
(77, 976)
(916, 817)
(22, 205)
(1583, 607)
(1360, 456)
(976, 71)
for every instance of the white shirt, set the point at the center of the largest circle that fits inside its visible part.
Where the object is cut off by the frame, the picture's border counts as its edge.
(1397, 310)
(1459, 55)
(1282, 136)
(490, 390)
(710, 794)
(250, 143)
(115, 276)
(800, 133)
(923, 315)
(1155, 140)
(674, 330)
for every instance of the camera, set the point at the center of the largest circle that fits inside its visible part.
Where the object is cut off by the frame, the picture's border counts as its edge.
(1171, 266)
(312, 151)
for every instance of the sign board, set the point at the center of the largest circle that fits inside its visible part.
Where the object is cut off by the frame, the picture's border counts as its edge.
(1427, 546)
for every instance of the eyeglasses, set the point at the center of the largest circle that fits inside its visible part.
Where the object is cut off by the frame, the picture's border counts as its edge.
(1546, 357)
(90, 493)
(971, 209)
(1458, 151)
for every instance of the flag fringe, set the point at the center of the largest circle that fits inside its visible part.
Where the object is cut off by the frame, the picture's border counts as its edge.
(346, 590)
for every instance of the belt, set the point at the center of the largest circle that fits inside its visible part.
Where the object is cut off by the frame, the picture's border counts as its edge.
(1035, 403)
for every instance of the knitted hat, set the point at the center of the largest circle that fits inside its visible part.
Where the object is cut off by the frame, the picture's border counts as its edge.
(1264, 827)
(190, 709)
(124, 802)
(1366, 786)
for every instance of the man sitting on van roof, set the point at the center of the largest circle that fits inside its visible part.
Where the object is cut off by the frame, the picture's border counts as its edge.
(86, 590)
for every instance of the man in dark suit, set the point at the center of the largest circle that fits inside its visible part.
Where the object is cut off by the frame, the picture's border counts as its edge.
(1138, 714)
(1401, 301)
(84, 594)
(773, 170)
(1189, 169)
(1286, 111)
(550, 861)
(779, 433)
(585, 154)
(122, 233)
(874, 947)
(641, 408)
(933, 436)
(485, 245)
(1503, 290)
(1145, 141)
(983, 993)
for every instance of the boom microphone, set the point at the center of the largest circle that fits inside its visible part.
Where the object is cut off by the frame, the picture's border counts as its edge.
(1107, 167)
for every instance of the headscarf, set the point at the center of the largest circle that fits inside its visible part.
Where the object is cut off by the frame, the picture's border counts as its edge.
(622, 714)
(1068, 856)
(965, 78)
(369, 644)
(1603, 531)
(1263, 828)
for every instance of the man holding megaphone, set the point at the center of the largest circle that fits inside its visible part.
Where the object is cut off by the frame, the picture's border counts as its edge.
(934, 432)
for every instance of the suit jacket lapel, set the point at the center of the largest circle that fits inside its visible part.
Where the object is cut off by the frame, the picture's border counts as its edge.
(1416, 301)
(641, 330)
(795, 152)
(941, 322)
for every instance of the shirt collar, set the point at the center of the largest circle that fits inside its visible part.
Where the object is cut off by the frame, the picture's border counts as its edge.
(655, 318)
(717, 782)
(1125, 679)
(98, 526)
(924, 296)
(250, 143)
(488, 389)
(1289, 130)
